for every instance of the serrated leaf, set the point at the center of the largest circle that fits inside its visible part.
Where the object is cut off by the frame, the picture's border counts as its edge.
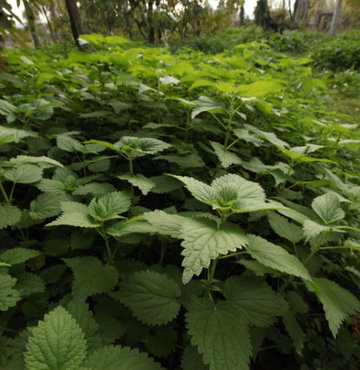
(9, 215)
(140, 181)
(24, 174)
(111, 357)
(163, 342)
(135, 147)
(284, 228)
(15, 134)
(273, 256)
(205, 104)
(151, 296)
(294, 329)
(42, 161)
(75, 214)
(29, 283)
(191, 359)
(51, 186)
(95, 188)
(79, 310)
(203, 241)
(312, 229)
(91, 276)
(69, 144)
(132, 226)
(15, 256)
(338, 303)
(56, 343)
(8, 296)
(46, 205)
(257, 268)
(164, 223)
(219, 333)
(327, 207)
(257, 302)
(109, 206)
(226, 157)
(164, 184)
(199, 190)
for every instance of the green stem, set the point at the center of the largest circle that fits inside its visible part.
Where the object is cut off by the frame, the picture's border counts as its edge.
(102, 232)
(131, 169)
(12, 192)
(232, 255)
(4, 193)
(162, 253)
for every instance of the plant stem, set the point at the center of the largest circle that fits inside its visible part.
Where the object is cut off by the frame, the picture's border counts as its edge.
(102, 232)
(12, 192)
(131, 169)
(232, 255)
(4, 193)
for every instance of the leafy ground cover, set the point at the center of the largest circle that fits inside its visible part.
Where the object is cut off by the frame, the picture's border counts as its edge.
(176, 211)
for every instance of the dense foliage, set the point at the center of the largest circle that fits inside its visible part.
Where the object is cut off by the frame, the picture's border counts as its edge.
(175, 211)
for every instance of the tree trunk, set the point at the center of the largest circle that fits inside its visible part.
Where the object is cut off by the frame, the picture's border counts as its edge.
(30, 16)
(335, 18)
(151, 32)
(75, 21)
(301, 9)
(242, 15)
(51, 30)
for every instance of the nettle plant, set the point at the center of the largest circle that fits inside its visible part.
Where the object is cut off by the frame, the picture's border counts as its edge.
(173, 212)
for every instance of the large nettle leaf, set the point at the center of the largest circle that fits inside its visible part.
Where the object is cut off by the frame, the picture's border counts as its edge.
(278, 258)
(257, 302)
(338, 303)
(8, 295)
(152, 297)
(327, 207)
(117, 357)
(9, 215)
(230, 193)
(91, 276)
(133, 147)
(220, 334)
(107, 207)
(203, 239)
(56, 343)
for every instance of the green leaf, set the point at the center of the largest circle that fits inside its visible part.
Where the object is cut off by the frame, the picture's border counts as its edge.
(327, 207)
(91, 276)
(220, 334)
(294, 329)
(259, 89)
(164, 184)
(24, 174)
(205, 241)
(42, 161)
(69, 144)
(109, 206)
(79, 310)
(8, 296)
(202, 192)
(205, 104)
(151, 296)
(312, 229)
(15, 134)
(46, 205)
(131, 226)
(164, 223)
(9, 215)
(135, 147)
(338, 303)
(56, 343)
(29, 283)
(226, 157)
(116, 357)
(256, 301)
(95, 188)
(191, 359)
(75, 214)
(273, 256)
(284, 228)
(15, 256)
(140, 181)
